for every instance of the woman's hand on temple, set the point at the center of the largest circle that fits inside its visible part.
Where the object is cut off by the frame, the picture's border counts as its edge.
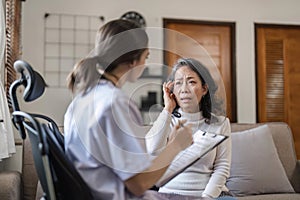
(169, 98)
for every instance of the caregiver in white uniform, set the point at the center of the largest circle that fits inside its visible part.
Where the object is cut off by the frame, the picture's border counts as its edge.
(104, 137)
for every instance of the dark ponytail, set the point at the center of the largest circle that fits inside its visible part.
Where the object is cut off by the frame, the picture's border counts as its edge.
(117, 42)
(84, 75)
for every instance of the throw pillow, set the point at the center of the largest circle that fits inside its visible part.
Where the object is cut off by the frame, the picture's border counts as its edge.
(256, 167)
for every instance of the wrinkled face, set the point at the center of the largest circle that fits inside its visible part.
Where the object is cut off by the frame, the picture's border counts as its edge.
(188, 89)
(139, 66)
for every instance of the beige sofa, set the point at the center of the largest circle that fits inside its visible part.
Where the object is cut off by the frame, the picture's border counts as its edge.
(10, 185)
(242, 133)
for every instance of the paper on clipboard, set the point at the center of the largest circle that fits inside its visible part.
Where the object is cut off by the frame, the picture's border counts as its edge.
(203, 143)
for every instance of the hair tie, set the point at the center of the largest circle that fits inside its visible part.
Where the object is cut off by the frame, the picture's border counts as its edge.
(99, 69)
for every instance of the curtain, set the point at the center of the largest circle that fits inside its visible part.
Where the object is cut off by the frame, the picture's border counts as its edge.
(7, 142)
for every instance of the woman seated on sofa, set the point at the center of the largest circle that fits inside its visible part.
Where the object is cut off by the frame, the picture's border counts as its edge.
(192, 95)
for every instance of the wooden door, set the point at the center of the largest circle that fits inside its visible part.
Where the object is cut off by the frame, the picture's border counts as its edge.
(278, 76)
(217, 41)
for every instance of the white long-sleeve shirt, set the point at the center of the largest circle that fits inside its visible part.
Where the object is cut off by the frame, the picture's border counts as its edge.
(207, 177)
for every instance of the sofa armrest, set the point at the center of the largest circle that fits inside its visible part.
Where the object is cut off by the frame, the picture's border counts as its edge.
(295, 180)
(10, 185)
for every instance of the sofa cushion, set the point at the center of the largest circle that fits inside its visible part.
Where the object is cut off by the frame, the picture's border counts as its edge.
(256, 167)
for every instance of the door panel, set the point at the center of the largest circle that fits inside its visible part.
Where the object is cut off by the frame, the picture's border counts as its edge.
(278, 76)
(217, 41)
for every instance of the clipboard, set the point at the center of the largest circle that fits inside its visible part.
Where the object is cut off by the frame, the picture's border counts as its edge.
(204, 142)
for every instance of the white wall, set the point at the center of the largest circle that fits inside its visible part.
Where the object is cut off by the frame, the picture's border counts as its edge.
(244, 13)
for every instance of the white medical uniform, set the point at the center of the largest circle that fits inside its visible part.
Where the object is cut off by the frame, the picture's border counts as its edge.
(105, 140)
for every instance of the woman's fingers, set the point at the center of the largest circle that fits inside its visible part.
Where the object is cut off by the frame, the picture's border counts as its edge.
(167, 86)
